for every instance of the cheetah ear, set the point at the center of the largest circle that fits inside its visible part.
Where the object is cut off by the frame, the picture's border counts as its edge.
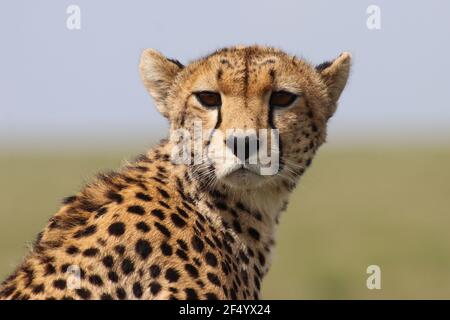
(335, 75)
(158, 74)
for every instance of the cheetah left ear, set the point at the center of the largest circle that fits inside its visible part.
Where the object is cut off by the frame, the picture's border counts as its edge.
(335, 75)
(158, 74)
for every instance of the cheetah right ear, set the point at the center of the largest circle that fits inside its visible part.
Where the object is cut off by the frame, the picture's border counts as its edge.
(158, 74)
(335, 75)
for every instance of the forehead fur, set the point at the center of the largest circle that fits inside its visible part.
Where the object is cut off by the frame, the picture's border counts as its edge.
(248, 64)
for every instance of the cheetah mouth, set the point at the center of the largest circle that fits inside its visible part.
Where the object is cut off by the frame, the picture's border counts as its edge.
(241, 175)
(243, 178)
(243, 172)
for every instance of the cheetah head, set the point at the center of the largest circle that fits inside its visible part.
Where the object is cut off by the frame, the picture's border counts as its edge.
(245, 117)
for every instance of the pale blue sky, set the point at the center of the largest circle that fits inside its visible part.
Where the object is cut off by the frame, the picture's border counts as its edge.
(61, 87)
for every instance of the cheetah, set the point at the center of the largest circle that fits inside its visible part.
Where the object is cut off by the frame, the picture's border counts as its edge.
(165, 229)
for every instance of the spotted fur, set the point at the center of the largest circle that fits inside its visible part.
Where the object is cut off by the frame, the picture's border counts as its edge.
(160, 230)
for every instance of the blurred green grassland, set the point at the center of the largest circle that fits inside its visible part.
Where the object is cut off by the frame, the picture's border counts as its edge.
(355, 207)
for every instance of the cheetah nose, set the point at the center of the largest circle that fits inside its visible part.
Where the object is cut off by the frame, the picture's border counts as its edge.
(243, 146)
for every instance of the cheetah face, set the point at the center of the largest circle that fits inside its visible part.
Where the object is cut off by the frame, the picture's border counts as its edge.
(245, 117)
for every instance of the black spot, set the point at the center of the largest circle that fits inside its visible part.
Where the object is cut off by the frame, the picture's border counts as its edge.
(119, 249)
(140, 168)
(106, 296)
(91, 252)
(96, 280)
(272, 74)
(197, 261)
(233, 294)
(116, 229)
(38, 288)
(144, 197)
(225, 268)
(29, 275)
(211, 296)
(85, 232)
(72, 250)
(68, 200)
(182, 212)
(7, 291)
(199, 226)
(166, 249)
(191, 270)
(219, 74)
(137, 290)
(200, 283)
(214, 279)
(142, 226)
(114, 196)
(182, 244)
(165, 205)
(143, 248)
(155, 271)
(229, 237)
(108, 261)
(257, 282)
(158, 180)
(245, 277)
(158, 213)
(244, 257)
(163, 193)
(101, 212)
(23, 297)
(161, 169)
(121, 294)
(49, 269)
(136, 210)
(254, 233)
(217, 241)
(162, 229)
(83, 293)
(155, 288)
(113, 276)
(127, 266)
(186, 205)
(237, 226)
(172, 275)
(241, 206)
(180, 253)
(197, 244)
(177, 220)
(261, 258)
(191, 294)
(64, 267)
(221, 205)
(211, 259)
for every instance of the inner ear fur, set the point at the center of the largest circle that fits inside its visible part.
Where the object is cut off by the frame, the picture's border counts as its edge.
(157, 74)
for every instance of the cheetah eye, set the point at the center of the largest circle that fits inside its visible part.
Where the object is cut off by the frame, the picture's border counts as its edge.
(209, 99)
(282, 99)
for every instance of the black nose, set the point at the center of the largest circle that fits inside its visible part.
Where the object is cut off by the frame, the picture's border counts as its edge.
(243, 146)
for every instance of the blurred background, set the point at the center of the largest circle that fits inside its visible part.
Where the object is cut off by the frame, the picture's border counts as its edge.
(378, 193)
